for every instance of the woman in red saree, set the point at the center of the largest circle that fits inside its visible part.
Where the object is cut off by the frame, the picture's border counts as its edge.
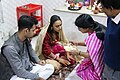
(50, 42)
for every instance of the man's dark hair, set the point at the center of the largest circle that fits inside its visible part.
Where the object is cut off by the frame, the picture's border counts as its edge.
(115, 4)
(26, 21)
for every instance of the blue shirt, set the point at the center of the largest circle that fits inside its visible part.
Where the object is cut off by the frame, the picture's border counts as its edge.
(112, 45)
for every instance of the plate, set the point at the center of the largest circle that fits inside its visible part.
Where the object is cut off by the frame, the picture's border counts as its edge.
(73, 9)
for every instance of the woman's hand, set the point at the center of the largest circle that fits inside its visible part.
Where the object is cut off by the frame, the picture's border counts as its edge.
(64, 62)
(42, 62)
(69, 56)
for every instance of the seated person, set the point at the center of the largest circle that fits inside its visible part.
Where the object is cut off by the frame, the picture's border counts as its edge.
(92, 65)
(50, 44)
(18, 61)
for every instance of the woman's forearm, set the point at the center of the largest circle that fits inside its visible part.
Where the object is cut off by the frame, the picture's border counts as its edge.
(81, 44)
(84, 54)
(78, 43)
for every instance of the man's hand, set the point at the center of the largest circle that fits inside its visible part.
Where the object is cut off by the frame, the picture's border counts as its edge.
(42, 62)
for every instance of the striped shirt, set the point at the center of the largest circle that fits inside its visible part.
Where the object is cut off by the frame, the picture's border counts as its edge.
(95, 50)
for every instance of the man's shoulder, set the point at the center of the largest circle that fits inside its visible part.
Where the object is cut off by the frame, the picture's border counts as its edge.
(9, 43)
(11, 40)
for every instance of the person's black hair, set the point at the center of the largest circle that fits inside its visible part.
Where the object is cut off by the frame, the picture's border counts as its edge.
(26, 21)
(100, 30)
(86, 21)
(53, 19)
(114, 4)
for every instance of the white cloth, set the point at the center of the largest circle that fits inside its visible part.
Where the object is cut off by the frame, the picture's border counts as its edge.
(43, 71)
(117, 19)
(73, 75)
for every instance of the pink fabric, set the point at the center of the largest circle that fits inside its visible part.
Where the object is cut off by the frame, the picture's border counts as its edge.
(86, 71)
(57, 48)
(95, 50)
